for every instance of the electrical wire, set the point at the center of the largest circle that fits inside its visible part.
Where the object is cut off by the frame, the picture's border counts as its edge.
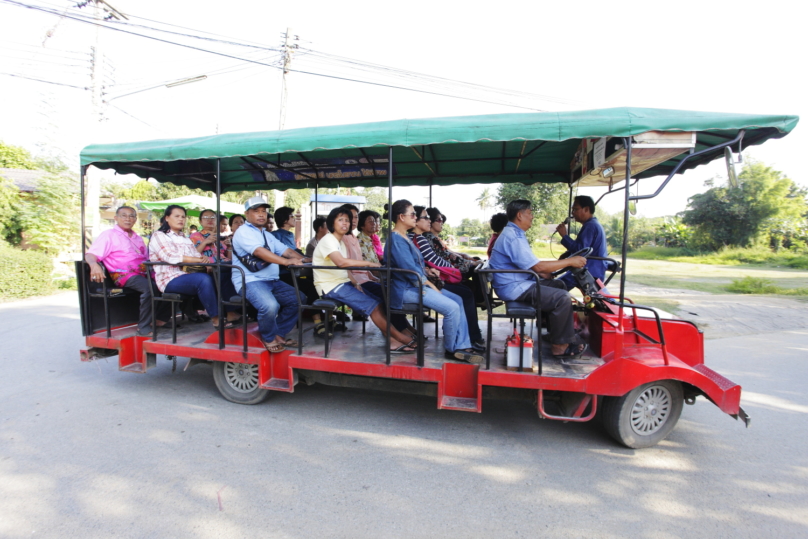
(45, 81)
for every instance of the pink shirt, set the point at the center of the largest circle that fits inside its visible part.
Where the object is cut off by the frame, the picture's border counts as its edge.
(121, 253)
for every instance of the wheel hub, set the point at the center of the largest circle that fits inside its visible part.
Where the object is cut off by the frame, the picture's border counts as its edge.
(242, 377)
(651, 410)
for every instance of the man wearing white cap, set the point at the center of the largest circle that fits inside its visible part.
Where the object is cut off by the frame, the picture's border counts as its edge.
(275, 301)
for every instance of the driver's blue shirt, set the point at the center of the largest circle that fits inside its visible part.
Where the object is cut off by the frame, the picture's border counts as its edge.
(590, 235)
(512, 251)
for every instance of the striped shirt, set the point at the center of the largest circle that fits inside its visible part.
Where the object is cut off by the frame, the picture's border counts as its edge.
(429, 254)
(169, 247)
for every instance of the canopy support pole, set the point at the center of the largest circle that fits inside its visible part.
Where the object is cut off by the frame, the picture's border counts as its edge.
(430, 192)
(627, 143)
(217, 272)
(387, 261)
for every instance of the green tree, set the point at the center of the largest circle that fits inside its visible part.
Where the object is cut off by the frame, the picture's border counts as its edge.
(748, 214)
(297, 198)
(550, 202)
(9, 207)
(15, 157)
(49, 216)
(485, 200)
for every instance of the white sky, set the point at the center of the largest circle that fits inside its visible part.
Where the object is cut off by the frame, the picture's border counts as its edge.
(717, 56)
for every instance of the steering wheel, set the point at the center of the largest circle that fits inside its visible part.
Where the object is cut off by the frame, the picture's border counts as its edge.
(586, 251)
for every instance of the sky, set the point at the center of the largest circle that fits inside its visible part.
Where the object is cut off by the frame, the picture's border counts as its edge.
(716, 56)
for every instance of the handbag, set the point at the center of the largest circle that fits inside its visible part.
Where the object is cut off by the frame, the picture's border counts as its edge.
(251, 262)
(450, 275)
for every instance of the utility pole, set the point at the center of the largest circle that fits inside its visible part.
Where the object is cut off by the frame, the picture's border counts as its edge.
(101, 11)
(288, 48)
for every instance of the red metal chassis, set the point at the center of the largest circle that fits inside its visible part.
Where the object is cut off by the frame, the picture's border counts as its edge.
(629, 360)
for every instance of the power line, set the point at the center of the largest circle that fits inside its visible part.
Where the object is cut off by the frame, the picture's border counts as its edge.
(346, 79)
(45, 81)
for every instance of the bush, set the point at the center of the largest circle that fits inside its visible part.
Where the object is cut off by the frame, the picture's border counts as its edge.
(25, 274)
(752, 285)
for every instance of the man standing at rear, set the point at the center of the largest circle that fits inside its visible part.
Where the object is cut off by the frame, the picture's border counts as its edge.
(275, 301)
(123, 253)
(590, 235)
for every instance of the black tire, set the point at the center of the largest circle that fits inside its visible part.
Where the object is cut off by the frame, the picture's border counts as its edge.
(645, 415)
(238, 382)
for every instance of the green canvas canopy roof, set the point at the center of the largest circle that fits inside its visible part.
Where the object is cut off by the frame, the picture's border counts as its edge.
(528, 148)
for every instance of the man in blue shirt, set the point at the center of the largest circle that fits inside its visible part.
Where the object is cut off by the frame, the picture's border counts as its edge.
(512, 251)
(590, 235)
(275, 301)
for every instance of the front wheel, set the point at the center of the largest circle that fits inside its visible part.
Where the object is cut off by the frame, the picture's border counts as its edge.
(645, 415)
(238, 382)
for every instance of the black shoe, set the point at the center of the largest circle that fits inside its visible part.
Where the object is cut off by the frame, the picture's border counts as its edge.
(465, 355)
(478, 347)
(359, 318)
(428, 320)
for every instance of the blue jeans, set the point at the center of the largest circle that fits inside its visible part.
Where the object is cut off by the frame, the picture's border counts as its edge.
(469, 308)
(276, 303)
(399, 321)
(455, 327)
(200, 285)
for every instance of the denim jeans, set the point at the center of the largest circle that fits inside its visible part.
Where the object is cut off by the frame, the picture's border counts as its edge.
(197, 284)
(469, 308)
(455, 327)
(276, 303)
(399, 320)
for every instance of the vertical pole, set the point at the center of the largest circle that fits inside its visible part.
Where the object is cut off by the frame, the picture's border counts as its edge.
(85, 319)
(430, 192)
(627, 142)
(287, 64)
(389, 238)
(217, 273)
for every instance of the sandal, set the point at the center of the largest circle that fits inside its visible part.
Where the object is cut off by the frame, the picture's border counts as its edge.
(414, 343)
(468, 355)
(291, 343)
(573, 351)
(319, 331)
(274, 346)
(403, 349)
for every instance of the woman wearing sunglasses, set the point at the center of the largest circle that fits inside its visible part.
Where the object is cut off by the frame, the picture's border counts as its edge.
(405, 287)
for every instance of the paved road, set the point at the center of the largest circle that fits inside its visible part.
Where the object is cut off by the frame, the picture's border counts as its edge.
(87, 451)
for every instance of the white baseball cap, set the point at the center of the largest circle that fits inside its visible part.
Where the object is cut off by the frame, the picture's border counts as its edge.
(256, 202)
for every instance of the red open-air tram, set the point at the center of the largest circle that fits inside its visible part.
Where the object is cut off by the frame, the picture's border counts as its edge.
(642, 365)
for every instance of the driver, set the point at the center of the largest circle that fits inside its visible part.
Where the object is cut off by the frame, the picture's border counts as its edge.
(512, 251)
(590, 235)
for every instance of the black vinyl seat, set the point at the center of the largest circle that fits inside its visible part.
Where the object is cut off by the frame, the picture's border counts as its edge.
(105, 290)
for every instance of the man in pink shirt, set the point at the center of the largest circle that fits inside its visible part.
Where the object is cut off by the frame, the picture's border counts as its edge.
(123, 253)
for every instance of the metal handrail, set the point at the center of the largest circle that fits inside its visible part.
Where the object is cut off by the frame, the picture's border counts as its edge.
(488, 290)
(420, 329)
(220, 300)
(634, 307)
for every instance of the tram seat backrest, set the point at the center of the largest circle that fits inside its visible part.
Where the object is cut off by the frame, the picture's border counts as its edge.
(122, 304)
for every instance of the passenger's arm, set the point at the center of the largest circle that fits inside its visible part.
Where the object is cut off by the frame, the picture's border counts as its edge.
(545, 267)
(96, 271)
(344, 262)
(268, 256)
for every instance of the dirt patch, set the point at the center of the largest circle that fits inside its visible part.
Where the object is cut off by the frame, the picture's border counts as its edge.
(728, 315)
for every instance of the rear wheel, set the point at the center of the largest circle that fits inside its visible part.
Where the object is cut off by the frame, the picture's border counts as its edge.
(645, 415)
(238, 382)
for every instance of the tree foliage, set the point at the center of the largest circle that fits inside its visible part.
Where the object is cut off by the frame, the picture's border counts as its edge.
(550, 202)
(764, 207)
(15, 157)
(49, 217)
